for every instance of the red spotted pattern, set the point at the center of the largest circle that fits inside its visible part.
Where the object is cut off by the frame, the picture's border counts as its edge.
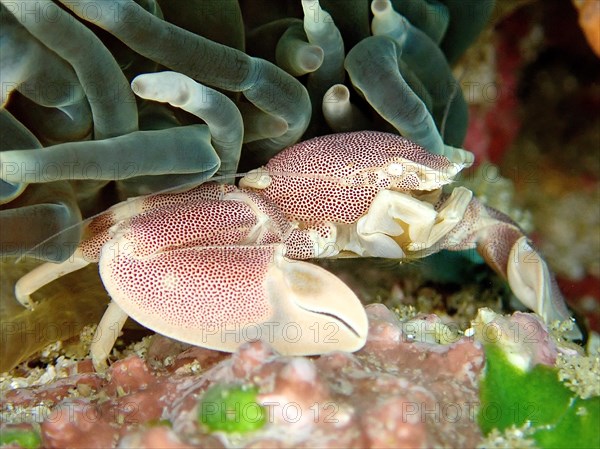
(464, 235)
(200, 223)
(193, 287)
(208, 191)
(96, 235)
(184, 259)
(298, 245)
(97, 231)
(278, 221)
(334, 177)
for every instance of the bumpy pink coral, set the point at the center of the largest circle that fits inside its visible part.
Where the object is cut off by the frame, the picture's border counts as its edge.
(395, 392)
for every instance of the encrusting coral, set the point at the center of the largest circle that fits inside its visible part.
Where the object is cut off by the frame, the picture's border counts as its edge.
(391, 393)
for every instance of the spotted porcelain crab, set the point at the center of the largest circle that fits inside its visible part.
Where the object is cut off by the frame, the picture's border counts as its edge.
(219, 265)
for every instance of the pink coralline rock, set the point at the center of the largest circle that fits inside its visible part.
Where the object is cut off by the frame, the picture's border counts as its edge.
(128, 375)
(76, 423)
(395, 392)
(52, 393)
(168, 354)
(389, 426)
(154, 438)
(524, 337)
(532, 334)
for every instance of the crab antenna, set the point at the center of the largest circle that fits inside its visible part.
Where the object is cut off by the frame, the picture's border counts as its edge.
(174, 189)
(453, 94)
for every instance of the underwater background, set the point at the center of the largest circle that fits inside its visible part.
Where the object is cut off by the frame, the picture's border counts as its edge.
(93, 113)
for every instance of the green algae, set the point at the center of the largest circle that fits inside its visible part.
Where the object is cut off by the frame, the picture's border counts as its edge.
(554, 416)
(231, 409)
(25, 438)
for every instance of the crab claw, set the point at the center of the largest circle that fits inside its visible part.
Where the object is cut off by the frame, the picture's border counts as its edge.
(505, 248)
(318, 304)
(508, 251)
(221, 297)
(534, 285)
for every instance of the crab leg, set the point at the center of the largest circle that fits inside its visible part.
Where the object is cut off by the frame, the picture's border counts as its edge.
(43, 275)
(508, 251)
(531, 281)
(398, 225)
(505, 248)
(106, 335)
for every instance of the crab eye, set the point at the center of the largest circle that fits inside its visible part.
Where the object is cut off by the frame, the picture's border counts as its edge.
(395, 169)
